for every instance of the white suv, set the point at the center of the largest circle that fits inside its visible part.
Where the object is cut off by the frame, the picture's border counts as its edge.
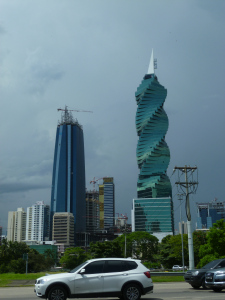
(125, 278)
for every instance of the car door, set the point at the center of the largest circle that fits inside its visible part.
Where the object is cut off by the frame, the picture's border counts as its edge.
(113, 275)
(91, 280)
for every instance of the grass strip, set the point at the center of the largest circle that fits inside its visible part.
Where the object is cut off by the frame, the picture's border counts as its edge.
(167, 278)
(7, 278)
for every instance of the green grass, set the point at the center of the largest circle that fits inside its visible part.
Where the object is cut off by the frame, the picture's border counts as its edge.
(7, 278)
(167, 278)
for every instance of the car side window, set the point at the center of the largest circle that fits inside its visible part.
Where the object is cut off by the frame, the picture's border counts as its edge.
(94, 267)
(112, 266)
(130, 265)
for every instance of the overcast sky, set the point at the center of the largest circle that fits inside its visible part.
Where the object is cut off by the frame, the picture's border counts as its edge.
(92, 55)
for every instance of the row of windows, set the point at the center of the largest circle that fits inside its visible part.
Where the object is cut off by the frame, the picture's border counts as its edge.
(109, 266)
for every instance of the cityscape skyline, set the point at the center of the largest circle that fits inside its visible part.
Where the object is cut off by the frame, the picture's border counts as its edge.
(90, 59)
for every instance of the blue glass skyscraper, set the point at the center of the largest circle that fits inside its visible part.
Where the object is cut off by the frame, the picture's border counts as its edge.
(68, 179)
(153, 154)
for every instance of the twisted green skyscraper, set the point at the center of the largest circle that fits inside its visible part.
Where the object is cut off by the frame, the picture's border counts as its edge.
(153, 154)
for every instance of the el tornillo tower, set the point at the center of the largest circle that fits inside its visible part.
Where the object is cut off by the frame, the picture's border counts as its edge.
(153, 155)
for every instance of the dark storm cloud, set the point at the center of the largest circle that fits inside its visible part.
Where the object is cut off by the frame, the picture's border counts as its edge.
(18, 185)
(31, 177)
(41, 73)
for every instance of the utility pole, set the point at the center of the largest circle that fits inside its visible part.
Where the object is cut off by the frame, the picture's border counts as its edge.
(181, 227)
(190, 187)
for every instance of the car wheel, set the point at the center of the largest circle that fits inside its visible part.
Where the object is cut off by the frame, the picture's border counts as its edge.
(203, 285)
(132, 292)
(57, 293)
(195, 286)
(217, 290)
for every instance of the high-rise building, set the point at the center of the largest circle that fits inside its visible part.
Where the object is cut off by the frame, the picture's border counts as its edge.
(107, 203)
(16, 230)
(92, 211)
(152, 152)
(63, 229)
(153, 208)
(68, 179)
(209, 213)
(38, 222)
(154, 215)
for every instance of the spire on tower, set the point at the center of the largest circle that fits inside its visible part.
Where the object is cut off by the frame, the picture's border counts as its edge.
(151, 65)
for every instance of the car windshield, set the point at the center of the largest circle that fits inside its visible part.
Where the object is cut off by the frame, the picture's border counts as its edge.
(212, 264)
(78, 267)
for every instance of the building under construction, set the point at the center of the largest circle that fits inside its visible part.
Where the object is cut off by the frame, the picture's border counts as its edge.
(92, 211)
(209, 213)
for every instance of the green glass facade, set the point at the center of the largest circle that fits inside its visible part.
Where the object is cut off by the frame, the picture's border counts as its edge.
(153, 155)
(42, 248)
(153, 215)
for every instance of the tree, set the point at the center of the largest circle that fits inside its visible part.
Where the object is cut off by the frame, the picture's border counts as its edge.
(139, 244)
(215, 241)
(199, 239)
(73, 257)
(11, 258)
(49, 257)
(106, 249)
(171, 250)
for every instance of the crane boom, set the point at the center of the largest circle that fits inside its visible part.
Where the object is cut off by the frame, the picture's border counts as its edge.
(74, 110)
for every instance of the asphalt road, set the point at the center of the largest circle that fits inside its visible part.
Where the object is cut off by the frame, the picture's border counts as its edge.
(162, 291)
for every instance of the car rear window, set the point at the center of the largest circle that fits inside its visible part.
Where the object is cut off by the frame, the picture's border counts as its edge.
(130, 265)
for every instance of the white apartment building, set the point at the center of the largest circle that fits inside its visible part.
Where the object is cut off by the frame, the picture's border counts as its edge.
(16, 230)
(37, 223)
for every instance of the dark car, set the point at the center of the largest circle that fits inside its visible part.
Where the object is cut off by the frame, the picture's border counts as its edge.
(196, 278)
(215, 279)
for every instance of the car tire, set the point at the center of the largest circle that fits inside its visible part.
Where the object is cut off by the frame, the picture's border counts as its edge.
(203, 285)
(57, 293)
(216, 289)
(131, 292)
(195, 286)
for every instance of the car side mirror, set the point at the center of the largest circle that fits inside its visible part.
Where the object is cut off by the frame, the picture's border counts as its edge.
(82, 271)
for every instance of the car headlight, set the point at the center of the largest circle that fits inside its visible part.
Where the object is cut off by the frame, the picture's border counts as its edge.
(42, 281)
(195, 273)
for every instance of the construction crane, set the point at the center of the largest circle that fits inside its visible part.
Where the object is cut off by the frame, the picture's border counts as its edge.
(95, 180)
(67, 117)
(66, 109)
